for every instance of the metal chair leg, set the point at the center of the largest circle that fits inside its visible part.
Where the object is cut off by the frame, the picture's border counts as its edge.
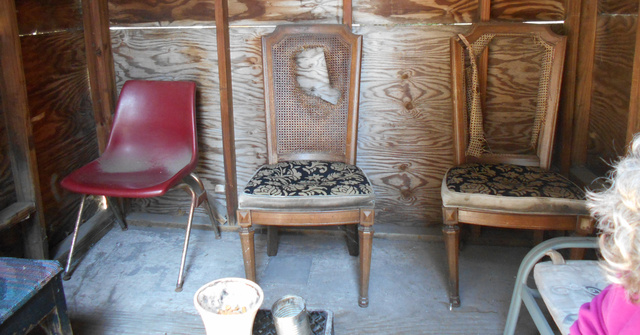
(194, 204)
(194, 186)
(67, 273)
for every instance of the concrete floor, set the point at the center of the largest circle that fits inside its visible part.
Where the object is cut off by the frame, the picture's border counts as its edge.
(125, 284)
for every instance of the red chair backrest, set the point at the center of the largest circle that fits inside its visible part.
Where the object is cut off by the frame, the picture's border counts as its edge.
(155, 121)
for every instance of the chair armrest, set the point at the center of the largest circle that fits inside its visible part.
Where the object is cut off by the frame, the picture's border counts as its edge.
(14, 213)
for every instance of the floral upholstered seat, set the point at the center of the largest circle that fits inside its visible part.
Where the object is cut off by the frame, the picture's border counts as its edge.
(305, 184)
(513, 188)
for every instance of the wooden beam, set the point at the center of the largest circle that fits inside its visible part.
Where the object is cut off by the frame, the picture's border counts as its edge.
(100, 66)
(567, 109)
(15, 213)
(584, 81)
(226, 108)
(347, 13)
(484, 10)
(22, 154)
(633, 125)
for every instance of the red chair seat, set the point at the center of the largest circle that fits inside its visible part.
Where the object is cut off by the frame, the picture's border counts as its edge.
(148, 180)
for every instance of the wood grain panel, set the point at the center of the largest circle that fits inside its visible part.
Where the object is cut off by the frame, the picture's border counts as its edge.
(61, 117)
(618, 7)
(241, 12)
(522, 10)
(513, 77)
(7, 187)
(255, 12)
(413, 11)
(613, 66)
(178, 54)
(161, 13)
(42, 16)
(405, 131)
(248, 101)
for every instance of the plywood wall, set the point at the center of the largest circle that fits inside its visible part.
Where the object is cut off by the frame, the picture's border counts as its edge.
(615, 35)
(61, 113)
(405, 143)
(7, 186)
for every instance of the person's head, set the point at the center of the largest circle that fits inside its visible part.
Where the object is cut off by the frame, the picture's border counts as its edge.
(617, 210)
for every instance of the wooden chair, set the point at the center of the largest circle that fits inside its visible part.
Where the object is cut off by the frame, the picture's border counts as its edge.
(311, 79)
(152, 148)
(505, 90)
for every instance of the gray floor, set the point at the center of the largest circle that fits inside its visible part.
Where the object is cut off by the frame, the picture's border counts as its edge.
(125, 284)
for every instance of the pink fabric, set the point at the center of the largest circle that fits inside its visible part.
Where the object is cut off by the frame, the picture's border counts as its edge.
(610, 312)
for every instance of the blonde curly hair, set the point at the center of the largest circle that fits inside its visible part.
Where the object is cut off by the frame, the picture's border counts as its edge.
(617, 210)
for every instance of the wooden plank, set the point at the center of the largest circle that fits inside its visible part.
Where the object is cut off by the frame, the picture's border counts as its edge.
(61, 117)
(584, 81)
(405, 132)
(609, 113)
(248, 101)
(126, 13)
(347, 12)
(633, 123)
(259, 12)
(618, 7)
(178, 54)
(18, 128)
(511, 94)
(564, 135)
(14, 213)
(226, 108)
(414, 11)
(7, 187)
(45, 16)
(524, 10)
(484, 10)
(100, 66)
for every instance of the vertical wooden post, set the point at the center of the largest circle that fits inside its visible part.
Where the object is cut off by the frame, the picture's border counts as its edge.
(22, 154)
(226, 108)
(347, 13)
(633, 125)
(100, 66)
(484, 10)
(584, 81)
(567, 110)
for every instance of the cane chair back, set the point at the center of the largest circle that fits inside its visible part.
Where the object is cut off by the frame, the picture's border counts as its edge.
(506, 81)
(303, 126)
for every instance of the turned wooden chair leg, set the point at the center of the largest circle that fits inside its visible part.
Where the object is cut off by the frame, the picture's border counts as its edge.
(272, 240)
(365, 233)
(451, 232)
(247, 243)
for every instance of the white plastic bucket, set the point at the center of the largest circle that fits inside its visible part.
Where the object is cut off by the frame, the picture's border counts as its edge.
(228, 306)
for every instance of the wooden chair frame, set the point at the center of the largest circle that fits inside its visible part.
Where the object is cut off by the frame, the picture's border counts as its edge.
(453, 216)
(364, 217)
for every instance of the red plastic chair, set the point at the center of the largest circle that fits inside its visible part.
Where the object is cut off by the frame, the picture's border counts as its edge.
(152, 148)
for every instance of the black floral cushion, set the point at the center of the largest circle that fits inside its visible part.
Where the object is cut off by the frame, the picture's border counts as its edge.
(511, 181)
(513, 189)
(309, 178)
